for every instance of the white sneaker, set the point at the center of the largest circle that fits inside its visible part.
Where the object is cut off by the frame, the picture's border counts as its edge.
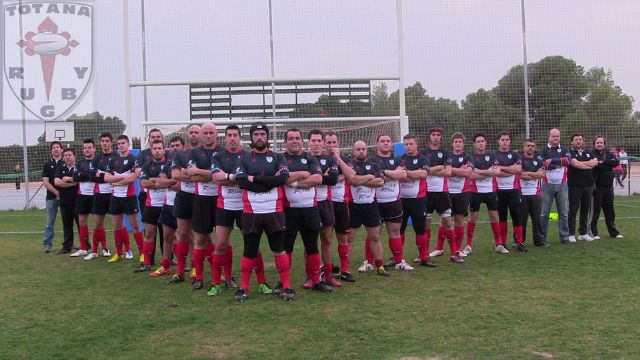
(585, 237)
(619, 236)
(91, 256)
(128, 255)
(106, 253)
(436, 253)
(417, 259)
(404, 266)
(79, 253)
(365, 267)
(596, 237)
(571, 239)
(501, 249)
(462, 254)
(467, 250)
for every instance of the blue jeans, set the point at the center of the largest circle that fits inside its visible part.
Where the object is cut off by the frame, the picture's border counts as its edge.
(52, 213)
(559, 192)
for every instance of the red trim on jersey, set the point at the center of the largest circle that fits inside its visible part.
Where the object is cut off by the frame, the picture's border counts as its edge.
(96, 189)
(279, 201)
(422, 188)
(328, 193)
(246, 204)
(347, 192)
(472, 186)
(220, 202)
(131, 189)
(147, 202)
(564, 176)
(495, 184)
(467, 185)
(516, 182)
(445, 185)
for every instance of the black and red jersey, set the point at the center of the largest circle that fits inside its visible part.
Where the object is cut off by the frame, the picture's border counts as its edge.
(229, 196)
(201, 158)
(84, 175)
(298, 197)
(166, 174)
(484, 162)
(460, 184)
(508, 158)
(556, 171)
(262, 164)
(533, 164)
(154, 169)
(181, 161)
(414, 189)
(124, 166)
(328, 166)
(101, 165)
(363, 194)
(437, 157)
(390, 191)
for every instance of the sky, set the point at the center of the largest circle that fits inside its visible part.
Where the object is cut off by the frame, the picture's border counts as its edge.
(453, 47)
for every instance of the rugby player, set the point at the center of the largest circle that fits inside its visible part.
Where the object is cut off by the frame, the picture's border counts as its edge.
(532, 172)
(459, 184)
(83, 176)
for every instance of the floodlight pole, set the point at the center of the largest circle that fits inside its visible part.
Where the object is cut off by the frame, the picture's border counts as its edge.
(404, 121)
(25, 155)
(144, 71)
(526, 72)
(127, 69)
(273, 73)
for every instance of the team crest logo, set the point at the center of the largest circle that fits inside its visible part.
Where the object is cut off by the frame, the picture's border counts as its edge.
(486, 158)
(269, 159)
(460, 159)
(559, 150)
(48, 54)
(440, 155)
(304, 161)
(415, 161)
(588, 155)
(323, 162)
(535, 163)
(509, 156)
(126, 161)
(392, 161)
(191, 164)
(368, 167)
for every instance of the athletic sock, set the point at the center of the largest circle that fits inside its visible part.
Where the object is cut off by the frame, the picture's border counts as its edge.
(450, 234)
(343, 252)
(198, 262)
(518, 234)
(427, 240)
(313, 267)
(367, 251)
(282, 265)
(259, 265)
(403, 238)
(84, 237)
(379, 263)
(139, 238)
(423, 249)
(246, 267)
(441, 238)
(459, 236)
(102, 238)
(117, 236)
(227, 266)
(327, 268)
(471, 228)
(166, 264)
(495, 228)
(125, 239)
(395, 245)
(216, 274)
(96, 241)
(148, 248)
(182, 249)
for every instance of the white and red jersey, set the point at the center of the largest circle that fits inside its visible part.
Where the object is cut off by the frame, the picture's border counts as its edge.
(100, 164)
(363, 194)
(556, 171)
(530, 187)
(437, 157)
(123, 166)
(297, 197)
(460, 184)
(328, 166)
(201, 157)
(170, 195)
(181, 161)
(508, 158)
(84, 176)
(339, 191)
(484, 162)
(262, 164)
(229, 196)
(390, 191)
(154, 169)
(416, 188)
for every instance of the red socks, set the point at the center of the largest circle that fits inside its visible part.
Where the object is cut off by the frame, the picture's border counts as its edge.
(471, 228)
(459, 230)
(450, 234)
(148, 248)
(166, 264)
(259, 265)
(181, 251)
(495, 228)
(216, 274)
(246, 266)
(423, 248)
(139, 238)
(313, 267)
(518, 234)
(343, 252)
(198, 262)
(228, 263)
(442, 233)
(99, 236)
(84, 237)
(367, 251)
(395, 245)
(119, 240)
(282, 265)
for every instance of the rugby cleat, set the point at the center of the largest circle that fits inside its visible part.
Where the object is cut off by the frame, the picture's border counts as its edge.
(160, 271)
(427, 262)
(105, 253)
(142, 268)
(365, 267)
(287, 294)
(501, 249)
(128, 255)
(214, 290)
(467, 250)
(332, 282)
(230, 284)
(522, 248)
(347, 277)
(79, 253)
(278, 289)
(456, 259)
(115, 258)
(404, 266)
(383, 272)
(322, 287)
(241, 295)
(436, 253)
(91, 256)
(196, 285)
(308, 284)
(176, 279)
(264, 289)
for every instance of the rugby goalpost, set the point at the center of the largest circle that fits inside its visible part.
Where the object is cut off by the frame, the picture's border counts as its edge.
(395, 126)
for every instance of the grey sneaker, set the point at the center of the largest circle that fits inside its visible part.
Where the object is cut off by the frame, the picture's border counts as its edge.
(47, 248)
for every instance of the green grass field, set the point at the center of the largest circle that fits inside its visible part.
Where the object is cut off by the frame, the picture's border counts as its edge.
(567, 302)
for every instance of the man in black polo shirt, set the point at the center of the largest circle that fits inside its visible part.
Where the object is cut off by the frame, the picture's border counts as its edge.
(68, 190)
(580, 182)
(53, 198)
(603, 194)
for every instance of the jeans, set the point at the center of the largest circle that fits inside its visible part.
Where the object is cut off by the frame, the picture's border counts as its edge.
(559, 192)
(52, 213)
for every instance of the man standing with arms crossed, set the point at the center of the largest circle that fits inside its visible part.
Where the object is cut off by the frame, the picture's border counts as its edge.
(580, 181)
(532, 172)
(84, 175)
(330, 174)
(102, 198)
(556, 160)
(53, 196)
(459, 188)
(68, 191)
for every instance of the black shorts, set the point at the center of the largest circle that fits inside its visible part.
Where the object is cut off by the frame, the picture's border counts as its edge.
(123, 205)
(151, 215)
(228, 217)
(204, 214)
(416, 209)
(142, 200)
(167, 218)
(342, 216)
(510, 197)
(327, 215)
(364, 214)
(257, 223)
(302, 219)
(391, 211)
(101, 204)
(183, 205)
(460, 203)
(490, 199)
(438, 202)
(84, 204)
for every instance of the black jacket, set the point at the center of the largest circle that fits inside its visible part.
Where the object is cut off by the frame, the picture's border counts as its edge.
(603, 172)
